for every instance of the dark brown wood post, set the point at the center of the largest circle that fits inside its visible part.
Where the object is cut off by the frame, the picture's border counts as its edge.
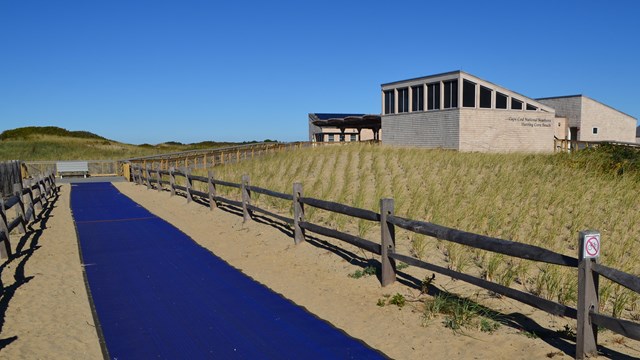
(298, 214)
(588, 298)
(5, 245)
(172, 181)
(212, 190)
(17, 191)
(44, 192)
(147, 176)
(187, 173)
(388, 236)
(246, 198)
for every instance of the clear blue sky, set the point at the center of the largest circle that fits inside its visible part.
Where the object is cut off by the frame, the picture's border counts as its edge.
(143, 71)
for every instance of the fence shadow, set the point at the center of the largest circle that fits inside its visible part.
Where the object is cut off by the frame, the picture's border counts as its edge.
(20, 258)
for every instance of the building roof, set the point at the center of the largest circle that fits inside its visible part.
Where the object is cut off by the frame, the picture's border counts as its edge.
(327, 116)
(473, 78)
(584, 96)
(357, 121)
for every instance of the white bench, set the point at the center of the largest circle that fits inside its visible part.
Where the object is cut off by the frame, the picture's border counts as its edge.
(72, 168)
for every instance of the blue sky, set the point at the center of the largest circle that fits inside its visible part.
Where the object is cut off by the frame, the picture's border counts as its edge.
(143, 71)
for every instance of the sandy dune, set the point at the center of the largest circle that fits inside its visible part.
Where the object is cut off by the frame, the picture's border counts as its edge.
(49, 315)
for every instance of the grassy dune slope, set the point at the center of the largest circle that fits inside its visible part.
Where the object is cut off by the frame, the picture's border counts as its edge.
(53, 143)
(537, 199)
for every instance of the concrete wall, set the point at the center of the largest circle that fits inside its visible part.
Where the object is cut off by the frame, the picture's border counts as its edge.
(489, 130)
(430, 129)
(611, 124)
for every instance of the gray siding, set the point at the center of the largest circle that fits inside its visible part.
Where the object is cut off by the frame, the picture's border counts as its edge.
(437, 129)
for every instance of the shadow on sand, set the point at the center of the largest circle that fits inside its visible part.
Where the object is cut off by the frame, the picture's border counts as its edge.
(25, 248)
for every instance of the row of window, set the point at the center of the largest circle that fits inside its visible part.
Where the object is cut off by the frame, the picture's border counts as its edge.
(450, 94)
(331, 137)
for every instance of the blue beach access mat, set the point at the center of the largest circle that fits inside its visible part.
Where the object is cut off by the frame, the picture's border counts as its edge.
(159, 295)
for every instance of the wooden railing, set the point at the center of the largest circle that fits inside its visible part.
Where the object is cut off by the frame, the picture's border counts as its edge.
(29, 198)
(587, 316)
(96, 167)
(564, 145)
(206, 158)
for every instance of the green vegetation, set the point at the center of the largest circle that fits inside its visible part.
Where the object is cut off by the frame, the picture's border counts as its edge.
(367, 271)
(543, 200)
(54, 143)
(459, 313)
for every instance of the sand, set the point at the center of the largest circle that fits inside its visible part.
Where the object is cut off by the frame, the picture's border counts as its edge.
(46, 309)
(51, 317)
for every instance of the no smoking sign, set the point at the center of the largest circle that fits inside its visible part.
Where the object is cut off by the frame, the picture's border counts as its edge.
(591, 245)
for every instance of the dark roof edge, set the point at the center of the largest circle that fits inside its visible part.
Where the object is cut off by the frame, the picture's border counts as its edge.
(590, 98)
(423, 77)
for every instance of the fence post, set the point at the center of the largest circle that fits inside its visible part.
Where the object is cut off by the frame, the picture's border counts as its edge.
(17, 191)
(246, 198)
(5, 246)
(38, 204)
(187, 172)
(588, 281)
(388, 237)
(212, 190)
(30, 209)
(298, 214)
(159, 179)
(147, 175)
(172, 181)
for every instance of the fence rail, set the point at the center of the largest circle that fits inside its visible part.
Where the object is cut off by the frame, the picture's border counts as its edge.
(588, 269)
(28, 199)
(96, 167)
(207, 158)
(564, 145)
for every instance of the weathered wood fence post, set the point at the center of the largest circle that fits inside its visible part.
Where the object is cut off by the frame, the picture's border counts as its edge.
(187, 173)
(147, 176)
(588, 283)
(298, 214)
(212, 190)
(5, 246)
(246, 198)
(388, 241)
(159, 179)
(172, 180)
(38, 205)
(17, 191)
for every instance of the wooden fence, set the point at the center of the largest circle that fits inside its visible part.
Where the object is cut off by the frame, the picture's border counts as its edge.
(29, 198)
(563, 145)
(10, 173)
(589, 270)
(203, 159)
(96, 167)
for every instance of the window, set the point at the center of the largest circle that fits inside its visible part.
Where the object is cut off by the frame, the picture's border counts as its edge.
(516, 104)
(330, 139)
(433, 96)
(485, 97)
(595, 131)
(403, 100)
(501, 100)
(468, 94)
(389, 102)
(417, 97)
(531, 107)
(352, 137)
(341, 137)
(450, 94)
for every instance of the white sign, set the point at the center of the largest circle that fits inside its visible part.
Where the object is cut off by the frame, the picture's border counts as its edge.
(591, 246)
